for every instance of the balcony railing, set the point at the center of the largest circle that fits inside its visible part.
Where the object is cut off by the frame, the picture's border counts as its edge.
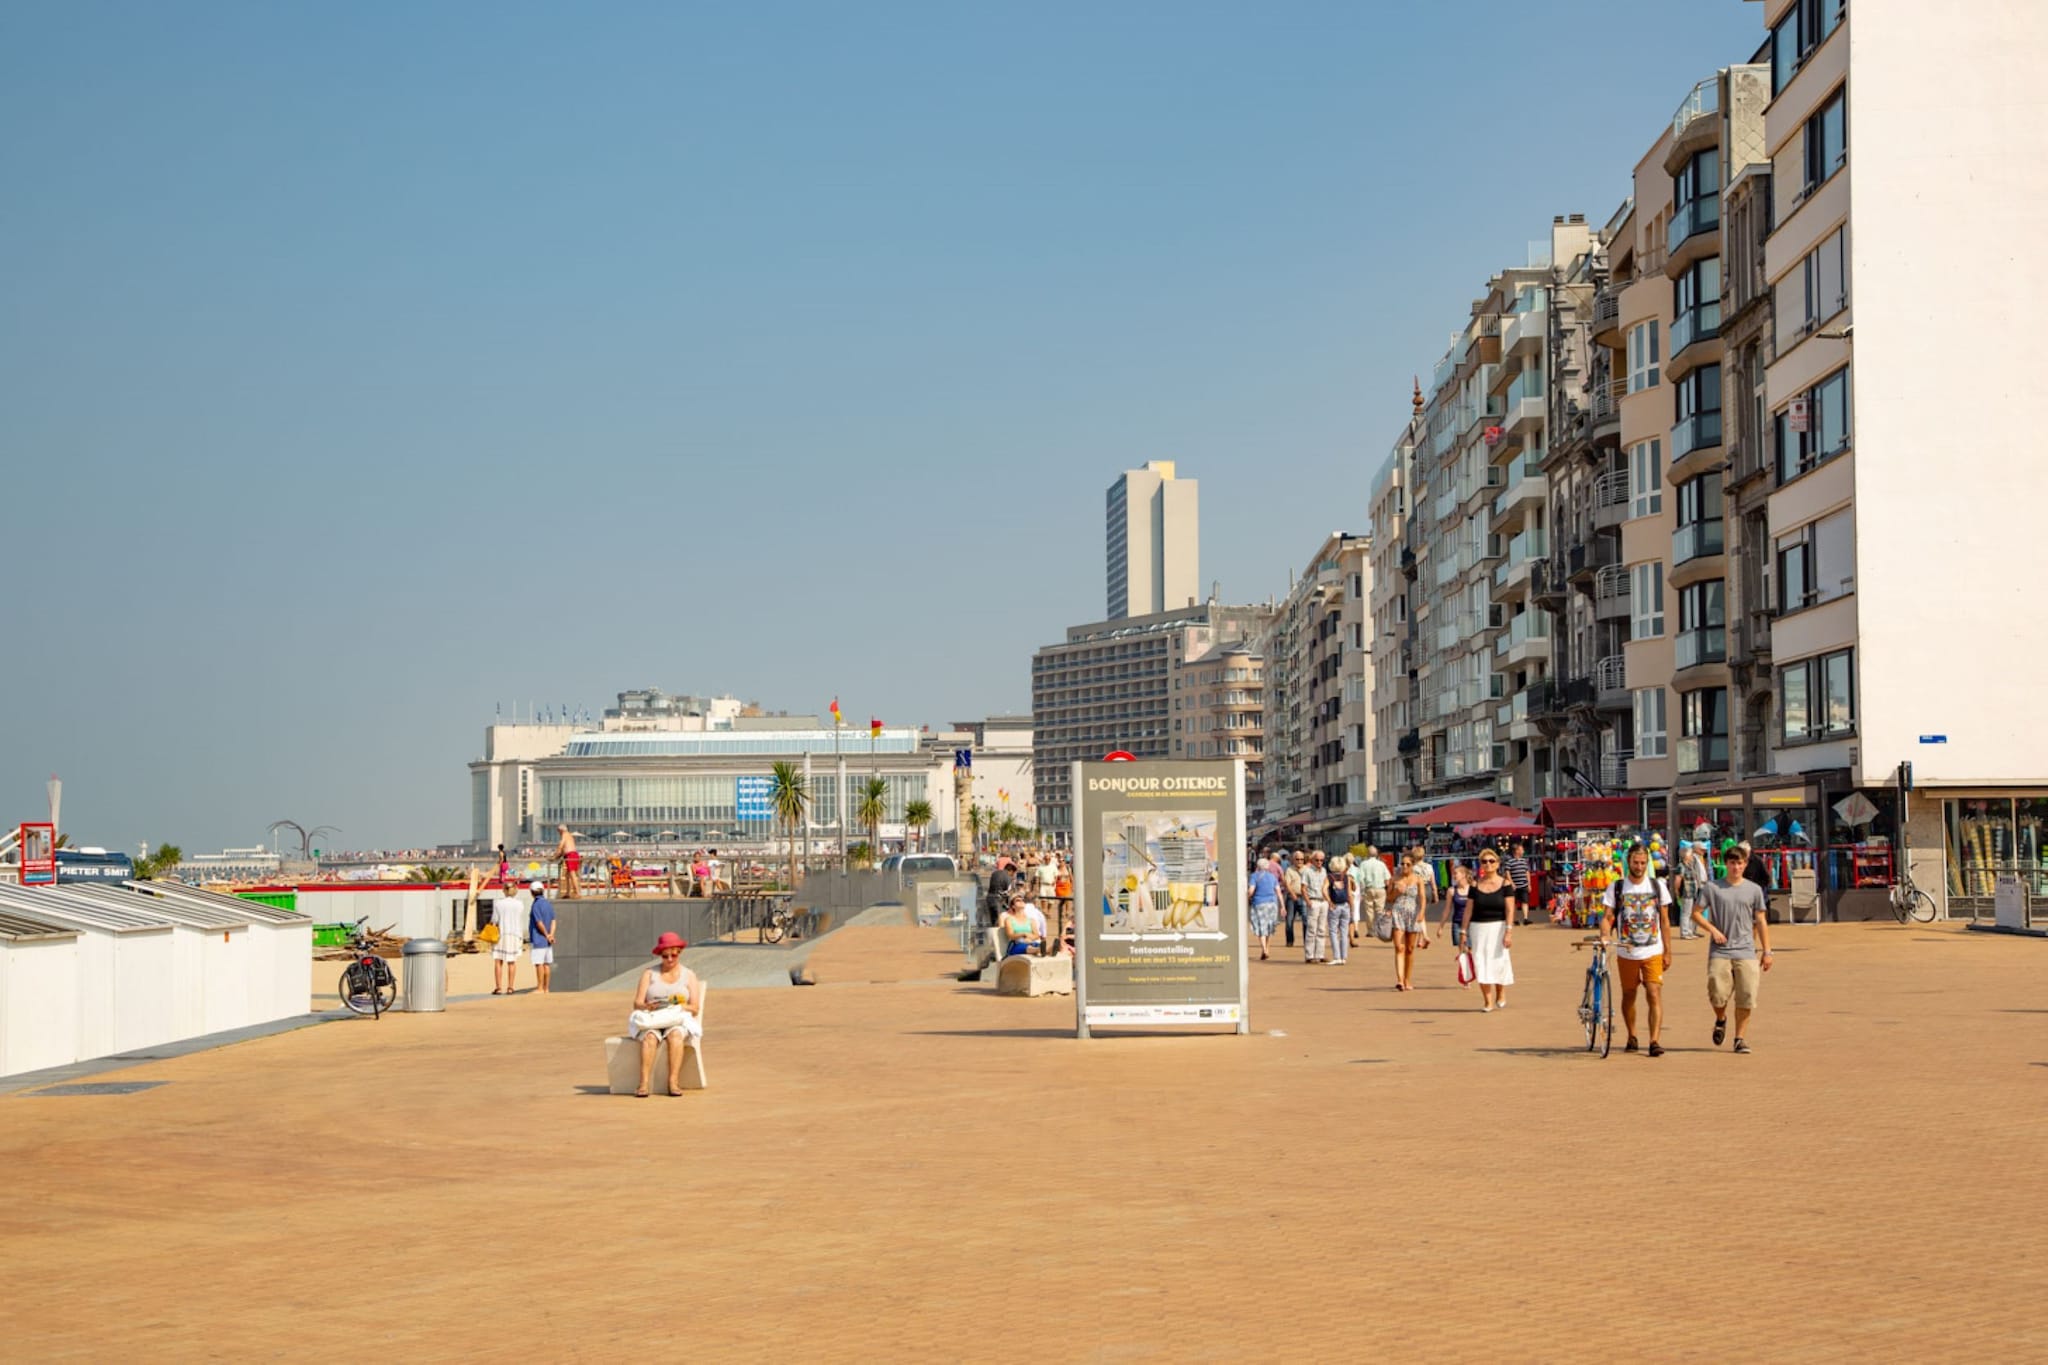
(1701, 215)
(1707, 645)
(1614, 770)
(1698, 324)
(1702, 754)
(1611, 674)
(1530, 544)
(1700, 431)
(1704, 99)
(1606, 309)
(1546, 578)
(1610, 585)
(1696, 540)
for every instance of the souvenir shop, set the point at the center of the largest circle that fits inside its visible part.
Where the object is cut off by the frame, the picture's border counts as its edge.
(1992, 835)
(1846, 837)
(1575, 858)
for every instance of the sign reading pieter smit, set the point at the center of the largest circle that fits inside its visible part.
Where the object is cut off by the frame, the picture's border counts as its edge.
(1159, 895)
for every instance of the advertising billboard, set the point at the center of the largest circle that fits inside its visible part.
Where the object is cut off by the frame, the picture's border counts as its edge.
(1159, 895)
(38, 855)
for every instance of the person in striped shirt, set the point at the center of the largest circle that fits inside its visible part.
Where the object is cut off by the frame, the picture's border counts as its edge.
(1517, 870)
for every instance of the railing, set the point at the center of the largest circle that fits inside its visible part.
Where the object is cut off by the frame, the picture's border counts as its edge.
(1528, 384)
(1704, 99)
(1707, 645)
(1530, 625)
(1610, 490)
(1589, 556)
(1697, 324)
(1530, 544)
(1700, 431)
(1614, 769)
(1606, 404)
(1696, 540)
(1510, 712)
(1702, 754)
(1611, 674)
(1547, 578)
(1610, 585)
(1606, 309)
(1701, 215)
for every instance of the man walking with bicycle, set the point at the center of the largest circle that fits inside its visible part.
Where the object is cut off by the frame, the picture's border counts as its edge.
(1635, 913)
(1733, 914)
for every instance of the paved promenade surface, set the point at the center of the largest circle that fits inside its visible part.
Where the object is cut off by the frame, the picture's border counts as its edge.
(894, 1166)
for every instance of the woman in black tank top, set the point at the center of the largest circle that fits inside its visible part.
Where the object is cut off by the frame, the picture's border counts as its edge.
(1490, 932)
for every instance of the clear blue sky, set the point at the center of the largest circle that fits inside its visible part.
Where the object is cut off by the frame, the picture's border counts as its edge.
(368, 365)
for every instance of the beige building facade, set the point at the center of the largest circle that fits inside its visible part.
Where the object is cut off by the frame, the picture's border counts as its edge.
(1319, 717)
(1152, 542)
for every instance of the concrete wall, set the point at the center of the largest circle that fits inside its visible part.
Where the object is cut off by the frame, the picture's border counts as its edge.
(1947, 141)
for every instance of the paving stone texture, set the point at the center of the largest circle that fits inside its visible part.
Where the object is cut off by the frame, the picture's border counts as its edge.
(894, 1165)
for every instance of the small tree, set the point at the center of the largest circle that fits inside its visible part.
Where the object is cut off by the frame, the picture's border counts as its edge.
(873, 808)
(789, 796)
(861, 855)
(918, 815)
(151, 866)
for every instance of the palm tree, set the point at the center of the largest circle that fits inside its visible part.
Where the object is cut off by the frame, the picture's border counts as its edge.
(436, 873)
(1009, 831)
(918, 815)
(873, 807)
(789, 796)
(978, 822)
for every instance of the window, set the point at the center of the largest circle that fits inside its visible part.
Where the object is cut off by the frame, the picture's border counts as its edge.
(1817, 562)
(1703, 730)
(1827, 145)
(1696, 196)
(1696, 303)
(1805, 27)
(1699, 412)
(1702, 628)
(1642, 357)
(1646, 599)
(1814, 291)
(1819, 698)
(1827, 431)
(1646, 479)
(1650, 723)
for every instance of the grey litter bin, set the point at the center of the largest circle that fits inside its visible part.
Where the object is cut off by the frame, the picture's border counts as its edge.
(426, 976)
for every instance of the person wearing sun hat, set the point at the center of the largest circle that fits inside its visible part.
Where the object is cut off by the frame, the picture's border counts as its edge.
(667, 1004)
(541, 926)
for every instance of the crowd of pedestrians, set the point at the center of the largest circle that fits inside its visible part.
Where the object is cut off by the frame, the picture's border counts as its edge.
(1334, 902)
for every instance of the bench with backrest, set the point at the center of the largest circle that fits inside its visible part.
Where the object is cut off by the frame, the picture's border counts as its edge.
(622, 1057)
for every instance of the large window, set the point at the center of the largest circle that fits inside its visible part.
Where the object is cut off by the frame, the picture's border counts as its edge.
(1813, 292)
(1699, 412)
(1699, 519)
(1646, 600)
(1827, 141)
(1819, 698)
(1702, 626)
(1817, 562)
(1827, 427)
(1696, 304)
(1695, 197)
(1805, 27)
(1646, 479)
(1703, 730)
(1650, 723)
(1643, 357)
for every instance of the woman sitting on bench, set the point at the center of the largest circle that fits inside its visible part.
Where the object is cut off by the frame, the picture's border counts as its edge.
(666, 1005)
(1021, 932)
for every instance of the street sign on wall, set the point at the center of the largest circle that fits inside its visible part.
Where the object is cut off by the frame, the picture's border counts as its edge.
(1159, 895)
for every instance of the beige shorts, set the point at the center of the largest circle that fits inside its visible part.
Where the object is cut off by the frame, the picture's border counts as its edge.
(1728, 977)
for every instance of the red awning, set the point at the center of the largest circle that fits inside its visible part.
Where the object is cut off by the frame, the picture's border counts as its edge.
(1589, 812)
(1464, 813)
(1503, 828)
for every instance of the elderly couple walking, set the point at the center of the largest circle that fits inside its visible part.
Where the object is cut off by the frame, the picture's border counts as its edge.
(1324, 893)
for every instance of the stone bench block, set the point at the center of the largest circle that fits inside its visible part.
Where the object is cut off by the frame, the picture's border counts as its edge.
(1035, 976)
(622, 1066)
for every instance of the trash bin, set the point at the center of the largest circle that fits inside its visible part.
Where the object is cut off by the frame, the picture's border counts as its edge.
(426, 976)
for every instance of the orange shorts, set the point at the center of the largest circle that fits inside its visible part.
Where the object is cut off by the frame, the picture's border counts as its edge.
(1649, 970)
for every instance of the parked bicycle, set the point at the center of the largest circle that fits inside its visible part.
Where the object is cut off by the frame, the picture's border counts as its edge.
(1909, 903)
(367, 985)
(1596, 1006)
(782, 922)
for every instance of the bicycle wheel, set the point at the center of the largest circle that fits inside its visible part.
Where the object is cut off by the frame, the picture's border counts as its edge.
(1901, 903)
(776, 926)
(358, 994)
(1919, 907)
(1606, 994)
(1589, 1008)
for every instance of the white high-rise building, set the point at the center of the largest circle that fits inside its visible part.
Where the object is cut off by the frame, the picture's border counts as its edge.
(1153, 542)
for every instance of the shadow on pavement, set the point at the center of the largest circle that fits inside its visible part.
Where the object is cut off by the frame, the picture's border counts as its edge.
(1067, 1032)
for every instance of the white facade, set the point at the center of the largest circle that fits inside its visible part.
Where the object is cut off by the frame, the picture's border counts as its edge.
(1152, 542)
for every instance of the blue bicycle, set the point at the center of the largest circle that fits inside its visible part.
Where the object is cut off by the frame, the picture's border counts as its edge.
(1596, 1006)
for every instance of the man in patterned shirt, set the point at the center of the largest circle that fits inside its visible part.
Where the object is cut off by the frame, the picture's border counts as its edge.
(1635, 913)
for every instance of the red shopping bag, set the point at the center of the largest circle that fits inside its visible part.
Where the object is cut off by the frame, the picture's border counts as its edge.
(1466, 971)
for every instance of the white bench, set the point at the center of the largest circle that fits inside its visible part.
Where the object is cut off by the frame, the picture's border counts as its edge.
(622, 1059)
(1035, 976)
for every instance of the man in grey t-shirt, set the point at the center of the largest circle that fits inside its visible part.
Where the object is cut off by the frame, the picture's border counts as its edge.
(1732, 913)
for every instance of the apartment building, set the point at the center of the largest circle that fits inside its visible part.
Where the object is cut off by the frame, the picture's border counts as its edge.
(1319, 721)
(1152, 542)
(1395, 742)
(1110, 685)
(1219, 700)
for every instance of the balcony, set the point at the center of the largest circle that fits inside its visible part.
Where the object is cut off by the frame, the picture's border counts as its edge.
(1547, 705)
(1706, 645)
(1526, 639)
(1408, 565)
(1606, 316)
(1610, 500)
(1702, 102)
(1613, 771)
(1696, 541)
(1588, 557)
(1693, 232)
(1610, 593)
(1610, 684)
(1522, 489)
(1702, 323)
(1701, 431)
(1411, 743)
(1531, 545)
(1547, 583)
(1702, 754)
(1525, 333)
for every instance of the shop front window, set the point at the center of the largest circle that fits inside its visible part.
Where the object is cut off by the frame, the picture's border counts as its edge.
(1712, 826)
(1981, 844)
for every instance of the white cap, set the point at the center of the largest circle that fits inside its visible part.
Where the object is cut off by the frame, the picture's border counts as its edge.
(540, 886)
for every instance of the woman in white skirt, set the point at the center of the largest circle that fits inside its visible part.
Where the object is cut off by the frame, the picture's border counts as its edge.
(666, 1005)
(1490, 931)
